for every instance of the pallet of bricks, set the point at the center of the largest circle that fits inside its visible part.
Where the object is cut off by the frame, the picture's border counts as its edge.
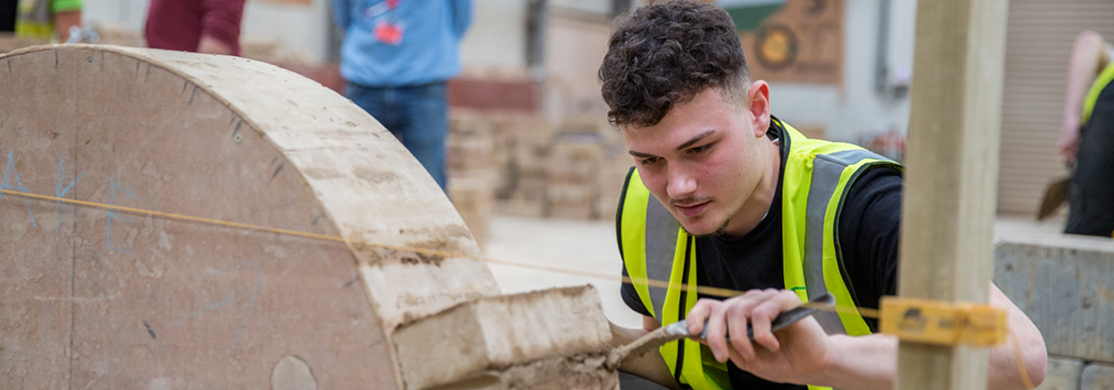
(586, 169)
(571, 169)
(472, 173)
(524, 149)
(527, 166)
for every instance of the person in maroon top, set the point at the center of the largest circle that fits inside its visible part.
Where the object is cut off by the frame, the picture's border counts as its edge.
(203, 26)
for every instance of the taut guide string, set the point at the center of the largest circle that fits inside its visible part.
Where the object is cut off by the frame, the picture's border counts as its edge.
(706, 290)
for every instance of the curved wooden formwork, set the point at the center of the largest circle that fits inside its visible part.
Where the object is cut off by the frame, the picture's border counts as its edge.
(94, 298)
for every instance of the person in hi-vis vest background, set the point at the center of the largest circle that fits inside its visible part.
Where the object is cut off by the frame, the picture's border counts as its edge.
(1087, 136)
(724, 194)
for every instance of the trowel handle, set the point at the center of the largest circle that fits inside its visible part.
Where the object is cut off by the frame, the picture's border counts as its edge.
(782, 320)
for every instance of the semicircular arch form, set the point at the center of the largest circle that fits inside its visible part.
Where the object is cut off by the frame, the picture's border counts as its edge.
(94, 296)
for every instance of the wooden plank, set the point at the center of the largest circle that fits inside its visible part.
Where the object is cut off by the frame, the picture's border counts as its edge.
(1063, 284)
(952, 167)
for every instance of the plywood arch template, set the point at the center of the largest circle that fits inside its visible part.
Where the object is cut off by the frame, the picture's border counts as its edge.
(109, 299)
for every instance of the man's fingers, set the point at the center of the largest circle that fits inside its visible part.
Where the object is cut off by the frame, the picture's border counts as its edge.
(731, 317)
(737, 328)
(764, 314)
(738, 315)
(699, 314)
(717, 334)
(761, 322)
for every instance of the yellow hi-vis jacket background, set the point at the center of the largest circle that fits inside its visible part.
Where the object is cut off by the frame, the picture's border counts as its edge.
(36, 17)
(1105, 77)
(654, 246)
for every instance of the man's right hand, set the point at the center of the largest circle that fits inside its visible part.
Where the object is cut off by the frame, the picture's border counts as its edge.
(792, 355)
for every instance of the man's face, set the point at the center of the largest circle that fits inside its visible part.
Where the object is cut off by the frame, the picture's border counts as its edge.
(702, 161)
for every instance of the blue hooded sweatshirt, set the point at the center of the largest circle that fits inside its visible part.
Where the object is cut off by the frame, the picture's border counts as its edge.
(428, 48)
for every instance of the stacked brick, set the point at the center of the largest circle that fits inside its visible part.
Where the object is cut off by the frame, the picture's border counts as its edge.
(525, 172)
(530, 167)
(1063, 284)
(574, 169)
(471, 169)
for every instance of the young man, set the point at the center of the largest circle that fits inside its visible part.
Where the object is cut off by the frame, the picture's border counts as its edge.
(742, 201)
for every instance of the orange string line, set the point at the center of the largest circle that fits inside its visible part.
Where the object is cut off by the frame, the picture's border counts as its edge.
(706, 290)
(1020, 362)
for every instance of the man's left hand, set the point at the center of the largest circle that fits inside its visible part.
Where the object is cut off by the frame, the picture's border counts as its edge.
(792, 355)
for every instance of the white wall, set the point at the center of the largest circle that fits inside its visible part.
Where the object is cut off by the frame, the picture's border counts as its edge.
(126, 13)
(854, 108)
(600, 7)
(302, 28)
(497, 38)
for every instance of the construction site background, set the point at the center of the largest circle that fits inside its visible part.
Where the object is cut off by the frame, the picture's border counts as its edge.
(536, 171)
(529, 89)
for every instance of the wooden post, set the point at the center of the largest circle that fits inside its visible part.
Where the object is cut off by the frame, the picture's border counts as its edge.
(949, 206)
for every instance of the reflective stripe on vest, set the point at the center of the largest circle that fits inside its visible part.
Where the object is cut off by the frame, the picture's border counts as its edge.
(654, 242)
(655, 247)
(1100, 83)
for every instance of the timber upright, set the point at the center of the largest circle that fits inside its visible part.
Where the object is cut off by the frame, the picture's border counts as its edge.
(724, 194)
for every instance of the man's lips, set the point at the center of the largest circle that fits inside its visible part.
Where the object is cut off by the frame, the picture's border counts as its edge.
(693, 209)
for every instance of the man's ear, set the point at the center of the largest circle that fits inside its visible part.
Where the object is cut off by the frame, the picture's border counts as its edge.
(758, 98)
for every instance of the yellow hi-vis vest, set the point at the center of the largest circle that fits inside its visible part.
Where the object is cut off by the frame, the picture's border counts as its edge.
(1104, 79)
(35, 18)
(655, 247)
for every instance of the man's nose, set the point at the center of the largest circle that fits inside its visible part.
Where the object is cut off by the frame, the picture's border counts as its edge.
(681, 184)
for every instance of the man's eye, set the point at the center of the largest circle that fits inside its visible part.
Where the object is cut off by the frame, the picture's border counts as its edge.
(699, 149)
(649, 160)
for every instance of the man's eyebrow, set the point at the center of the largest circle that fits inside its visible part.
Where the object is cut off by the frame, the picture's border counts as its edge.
(694, 140)
(683, 146)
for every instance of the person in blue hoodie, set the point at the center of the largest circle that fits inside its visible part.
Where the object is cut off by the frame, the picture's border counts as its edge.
(396, 58)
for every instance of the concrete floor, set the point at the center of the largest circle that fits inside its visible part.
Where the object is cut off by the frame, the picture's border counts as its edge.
(580, 246)
(589, 247)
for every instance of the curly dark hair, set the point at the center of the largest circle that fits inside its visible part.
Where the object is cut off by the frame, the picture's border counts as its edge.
(664, 54)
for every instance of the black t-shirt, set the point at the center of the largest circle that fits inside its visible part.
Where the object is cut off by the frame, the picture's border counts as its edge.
(1091, 194)
(868, 243)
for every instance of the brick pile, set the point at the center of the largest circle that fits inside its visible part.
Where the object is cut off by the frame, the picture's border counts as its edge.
(531, 167)
(471, 168)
